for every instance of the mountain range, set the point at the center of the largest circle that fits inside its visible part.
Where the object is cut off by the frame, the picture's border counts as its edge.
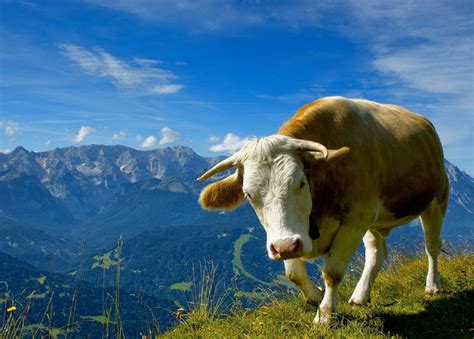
(63, 211)
(85, 178)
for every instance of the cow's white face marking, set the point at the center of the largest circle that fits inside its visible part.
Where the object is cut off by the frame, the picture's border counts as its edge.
(276, 186)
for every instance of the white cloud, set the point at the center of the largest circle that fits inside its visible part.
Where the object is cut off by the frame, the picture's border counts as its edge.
(167, 89)
(203, 15)
(168, 136)
(147, 62)
(10, 128)
(214, 139)
(139, 137)
(231, 143)
(119, 136)
(140, 75)
(48, 142)
(148, 142)
(426, 46)
(84, 131)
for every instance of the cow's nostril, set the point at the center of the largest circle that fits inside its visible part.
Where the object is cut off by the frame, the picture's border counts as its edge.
(273, 249)
(297, 246)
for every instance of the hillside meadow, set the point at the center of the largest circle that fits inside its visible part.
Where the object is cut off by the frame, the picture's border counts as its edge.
(399, 308)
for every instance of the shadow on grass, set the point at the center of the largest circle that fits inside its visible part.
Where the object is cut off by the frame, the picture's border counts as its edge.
(451, 316)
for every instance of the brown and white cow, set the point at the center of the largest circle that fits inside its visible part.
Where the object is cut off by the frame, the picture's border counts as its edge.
(338, 172)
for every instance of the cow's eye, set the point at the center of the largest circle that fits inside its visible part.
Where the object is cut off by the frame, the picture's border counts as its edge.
(302, 184)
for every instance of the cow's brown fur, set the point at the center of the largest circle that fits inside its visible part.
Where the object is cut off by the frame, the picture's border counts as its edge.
(394, 153)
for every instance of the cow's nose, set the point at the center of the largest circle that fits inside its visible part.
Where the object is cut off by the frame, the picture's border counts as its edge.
(286, 248)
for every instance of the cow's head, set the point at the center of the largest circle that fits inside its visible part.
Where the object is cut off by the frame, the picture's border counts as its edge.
(271, 176)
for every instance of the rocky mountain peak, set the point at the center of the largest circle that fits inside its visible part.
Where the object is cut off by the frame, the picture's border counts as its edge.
(85, 177)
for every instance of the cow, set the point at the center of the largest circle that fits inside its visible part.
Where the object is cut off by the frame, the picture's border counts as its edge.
(339, 172)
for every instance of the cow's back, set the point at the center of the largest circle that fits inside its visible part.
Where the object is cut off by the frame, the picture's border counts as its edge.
(395, 154)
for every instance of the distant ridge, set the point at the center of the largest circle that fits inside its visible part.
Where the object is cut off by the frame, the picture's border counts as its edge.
(85, 177)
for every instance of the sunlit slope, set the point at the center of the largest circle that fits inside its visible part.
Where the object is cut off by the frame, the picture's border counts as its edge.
(399, 307)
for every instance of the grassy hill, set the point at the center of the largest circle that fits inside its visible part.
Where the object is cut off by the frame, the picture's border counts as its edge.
(398, 308)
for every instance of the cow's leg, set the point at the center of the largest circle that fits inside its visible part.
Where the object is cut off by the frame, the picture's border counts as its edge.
(296, 271)
(432, 220)
(335, 264)
(375, 254)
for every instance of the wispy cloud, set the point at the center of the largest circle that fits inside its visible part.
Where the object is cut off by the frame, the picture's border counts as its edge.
(84, 131)
(167, 89)
(146, 62)
(422, 45)
(149, 142)
(140, 75)
(10, 128)
(168, 136)
(426, 46)
(201, 15)
(119, 135)
(214, 139)
(231, 143)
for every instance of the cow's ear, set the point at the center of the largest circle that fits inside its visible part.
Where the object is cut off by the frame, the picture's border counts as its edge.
(318, 158)
(226, 194)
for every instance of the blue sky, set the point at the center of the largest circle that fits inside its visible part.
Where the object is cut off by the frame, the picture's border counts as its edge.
(208, 74)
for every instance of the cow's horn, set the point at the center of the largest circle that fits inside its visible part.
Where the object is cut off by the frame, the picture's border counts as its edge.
(220, 167)
(311, 146)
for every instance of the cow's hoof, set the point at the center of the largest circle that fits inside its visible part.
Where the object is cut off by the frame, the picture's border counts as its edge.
(434, 287)
(433, 284)
(355, 301)
(359, 299)
(433, 290)
(323, 318)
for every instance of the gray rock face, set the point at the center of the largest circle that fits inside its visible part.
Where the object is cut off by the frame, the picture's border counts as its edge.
(85, 177)
(461, 187)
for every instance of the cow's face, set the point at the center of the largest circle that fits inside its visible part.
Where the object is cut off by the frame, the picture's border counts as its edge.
(279, 193)
(270, 175)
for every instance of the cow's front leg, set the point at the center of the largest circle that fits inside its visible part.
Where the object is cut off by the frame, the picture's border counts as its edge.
(296, 271)
(335, 264)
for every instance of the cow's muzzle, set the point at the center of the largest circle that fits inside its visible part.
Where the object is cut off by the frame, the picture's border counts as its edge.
(288, 248)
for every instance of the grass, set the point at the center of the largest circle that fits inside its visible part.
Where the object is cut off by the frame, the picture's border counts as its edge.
(399, 308)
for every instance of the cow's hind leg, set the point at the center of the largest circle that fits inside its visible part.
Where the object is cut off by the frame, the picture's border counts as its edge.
(432, 220)
(375, 254)
(296, 271)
